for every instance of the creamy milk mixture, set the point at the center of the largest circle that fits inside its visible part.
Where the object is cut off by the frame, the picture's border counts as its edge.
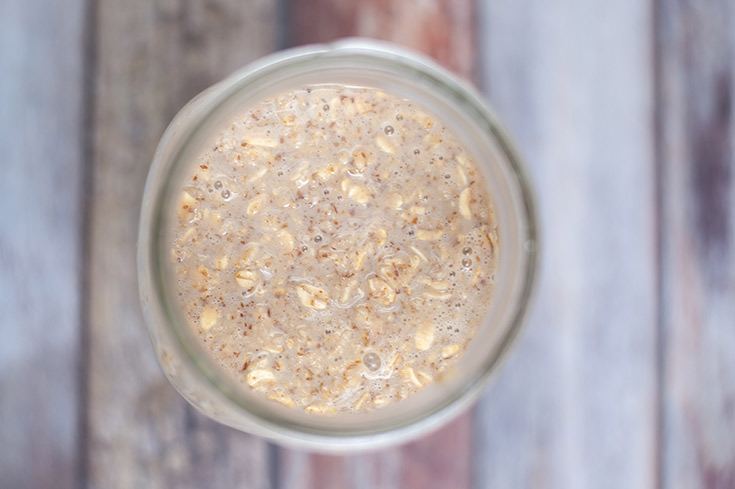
(335, 248)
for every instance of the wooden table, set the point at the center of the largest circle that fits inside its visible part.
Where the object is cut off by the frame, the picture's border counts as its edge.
(625, 376)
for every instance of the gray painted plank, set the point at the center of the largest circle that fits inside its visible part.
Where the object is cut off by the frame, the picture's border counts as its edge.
(696, 47)
(152, 57)
(41, 64)
(575, 406)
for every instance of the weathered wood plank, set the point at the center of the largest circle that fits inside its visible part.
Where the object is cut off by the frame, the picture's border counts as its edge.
(439, 460)
(444, 29)
(696, 82)
(41, 72)
(152, 57)
(442, 459)
(575, 406)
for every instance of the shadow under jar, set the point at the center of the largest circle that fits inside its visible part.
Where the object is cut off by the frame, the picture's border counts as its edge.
(224, 394)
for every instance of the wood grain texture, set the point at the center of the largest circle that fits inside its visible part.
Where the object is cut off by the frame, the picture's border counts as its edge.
(40, 237)
(439, 460)
(152, 57)
(696, 48)
(443, 29)
(576, 405)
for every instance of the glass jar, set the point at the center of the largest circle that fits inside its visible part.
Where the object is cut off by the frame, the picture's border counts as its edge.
(354, 62)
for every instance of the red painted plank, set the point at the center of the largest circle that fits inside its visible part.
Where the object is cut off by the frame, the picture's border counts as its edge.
(443, 29)
(441, 460)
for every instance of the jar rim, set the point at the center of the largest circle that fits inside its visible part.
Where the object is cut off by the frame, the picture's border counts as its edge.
(375, 53)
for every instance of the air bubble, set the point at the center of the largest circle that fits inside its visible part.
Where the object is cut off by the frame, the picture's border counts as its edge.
(226, 194)
(325, 108)
(399, 117)
(466, 250)
(218, 185)
(317, 239)
(416, 151)
(388, 130)
(371, 361)
(466, 262)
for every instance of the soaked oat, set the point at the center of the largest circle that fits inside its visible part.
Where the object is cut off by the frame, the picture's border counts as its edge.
(335, 248)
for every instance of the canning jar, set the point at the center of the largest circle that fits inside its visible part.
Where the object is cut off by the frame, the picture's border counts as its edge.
(351, 62)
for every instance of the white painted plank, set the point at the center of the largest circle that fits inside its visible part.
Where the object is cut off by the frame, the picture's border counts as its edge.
(41, 66)
(576, 406)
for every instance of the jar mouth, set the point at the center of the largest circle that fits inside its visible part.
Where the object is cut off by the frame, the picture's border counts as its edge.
(384, 66)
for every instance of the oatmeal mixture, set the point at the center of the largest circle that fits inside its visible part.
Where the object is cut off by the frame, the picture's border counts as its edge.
(335, 248)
